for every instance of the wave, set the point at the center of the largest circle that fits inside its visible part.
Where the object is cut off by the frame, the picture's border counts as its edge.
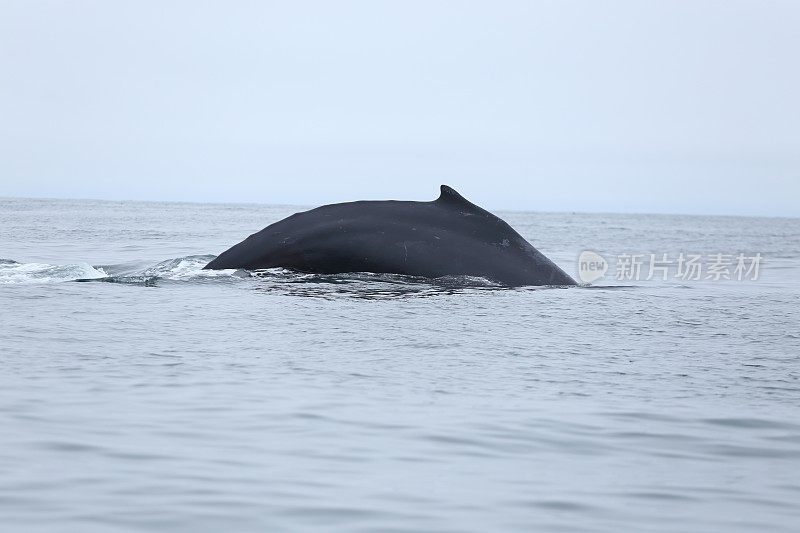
(179, 269)
(365, 285)
(189, 269)
(12, 272)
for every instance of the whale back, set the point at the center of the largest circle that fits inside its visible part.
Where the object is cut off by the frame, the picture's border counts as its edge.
(448, 236)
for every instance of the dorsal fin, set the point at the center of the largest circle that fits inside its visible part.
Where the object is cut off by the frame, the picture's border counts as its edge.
(451, 196)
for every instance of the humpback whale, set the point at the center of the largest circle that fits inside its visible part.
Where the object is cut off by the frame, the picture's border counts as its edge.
(446, 237)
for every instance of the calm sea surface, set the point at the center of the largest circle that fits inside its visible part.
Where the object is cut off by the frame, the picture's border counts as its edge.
(158, 397)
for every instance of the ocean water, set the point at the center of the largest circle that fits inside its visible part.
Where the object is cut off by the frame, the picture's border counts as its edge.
(138, 392)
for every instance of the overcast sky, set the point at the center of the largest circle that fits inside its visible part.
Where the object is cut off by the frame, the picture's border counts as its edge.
(675, 106)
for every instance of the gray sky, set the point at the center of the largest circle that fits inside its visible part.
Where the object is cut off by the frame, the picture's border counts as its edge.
(677, 106)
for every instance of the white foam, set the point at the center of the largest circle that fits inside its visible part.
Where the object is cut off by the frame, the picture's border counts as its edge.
(184, 268)
(27, 273)
(177, 269)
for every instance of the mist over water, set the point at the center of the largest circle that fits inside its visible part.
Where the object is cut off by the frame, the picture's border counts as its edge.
(138, 391)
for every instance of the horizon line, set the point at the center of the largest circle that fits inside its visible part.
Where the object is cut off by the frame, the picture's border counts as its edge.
(312, 206)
